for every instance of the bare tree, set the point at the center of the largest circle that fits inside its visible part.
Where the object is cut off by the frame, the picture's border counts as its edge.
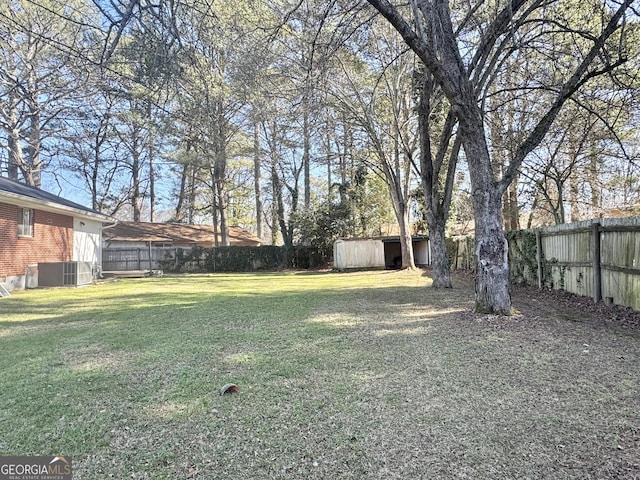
(437, 169)
(377, 95)
(463, 60)
(91, 149)
(37, 79)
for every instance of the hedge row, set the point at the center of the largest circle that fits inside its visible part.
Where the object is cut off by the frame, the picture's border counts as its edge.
(244, 259)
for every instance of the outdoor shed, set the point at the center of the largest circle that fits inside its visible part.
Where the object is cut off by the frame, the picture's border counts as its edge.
(358, 253)
(378, 252)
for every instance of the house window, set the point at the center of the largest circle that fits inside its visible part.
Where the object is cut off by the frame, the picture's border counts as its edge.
(25, 222)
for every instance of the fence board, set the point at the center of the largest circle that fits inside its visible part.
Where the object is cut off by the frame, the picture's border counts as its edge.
(127, 259)
(598, 258)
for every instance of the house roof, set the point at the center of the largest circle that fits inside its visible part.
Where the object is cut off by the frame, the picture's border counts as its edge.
(178, 234)
(24, 195)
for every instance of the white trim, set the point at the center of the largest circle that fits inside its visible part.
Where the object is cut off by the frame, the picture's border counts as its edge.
(23, 201)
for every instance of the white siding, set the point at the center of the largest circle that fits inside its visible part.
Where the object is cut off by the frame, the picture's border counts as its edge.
(421, 252)
(365, 253)
(87, 240)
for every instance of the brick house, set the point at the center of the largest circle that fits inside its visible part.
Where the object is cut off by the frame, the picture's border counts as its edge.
(37, 227)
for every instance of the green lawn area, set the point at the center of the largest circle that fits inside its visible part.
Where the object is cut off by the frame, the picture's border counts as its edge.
(360, 375)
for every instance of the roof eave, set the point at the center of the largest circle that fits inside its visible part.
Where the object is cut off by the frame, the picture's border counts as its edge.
(28, 202)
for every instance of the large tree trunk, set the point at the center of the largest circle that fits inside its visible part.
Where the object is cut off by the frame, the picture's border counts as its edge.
(437, 199)
(16, 158)
(406, 243)
(32, 168)
(276, 190)
(220, 170)
(182, 193)
(402, 215)
(441, 271)
(214, 216)
(221, 196)
(223, 202)
(152, 174)
(492, 268)
(152, 186)
(257, 177)
(306, 151)
(135, 177)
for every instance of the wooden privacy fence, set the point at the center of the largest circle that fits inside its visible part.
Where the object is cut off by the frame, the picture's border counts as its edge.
(136, 258)
(598, 258)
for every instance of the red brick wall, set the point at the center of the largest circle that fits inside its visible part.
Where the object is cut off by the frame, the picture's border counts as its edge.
(52, 240)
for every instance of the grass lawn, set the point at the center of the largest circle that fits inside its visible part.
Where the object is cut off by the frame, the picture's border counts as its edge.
(361, 375)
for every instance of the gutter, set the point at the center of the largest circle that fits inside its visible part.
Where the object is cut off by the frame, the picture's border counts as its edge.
(24, 201)
(108, 226)
(102, 229)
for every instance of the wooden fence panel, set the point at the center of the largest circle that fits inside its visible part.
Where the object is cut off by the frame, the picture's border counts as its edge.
(620, 262)
(621, 288)
(522, 258)
(128, 259)
(598, 258)
(568, 259)
(461, 252)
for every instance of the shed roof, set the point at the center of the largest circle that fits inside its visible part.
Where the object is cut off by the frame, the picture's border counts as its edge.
(396, 239)
(22, 194)
(384, 239)
(178, 234)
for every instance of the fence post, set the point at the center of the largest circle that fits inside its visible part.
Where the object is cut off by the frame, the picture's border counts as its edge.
(539, 257)
(595, 257)
(457, 244)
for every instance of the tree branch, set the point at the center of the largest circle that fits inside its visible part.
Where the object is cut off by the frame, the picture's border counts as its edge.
(579, 78)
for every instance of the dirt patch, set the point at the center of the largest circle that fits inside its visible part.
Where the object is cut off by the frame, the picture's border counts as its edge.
(561, 305)
(558, 305)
